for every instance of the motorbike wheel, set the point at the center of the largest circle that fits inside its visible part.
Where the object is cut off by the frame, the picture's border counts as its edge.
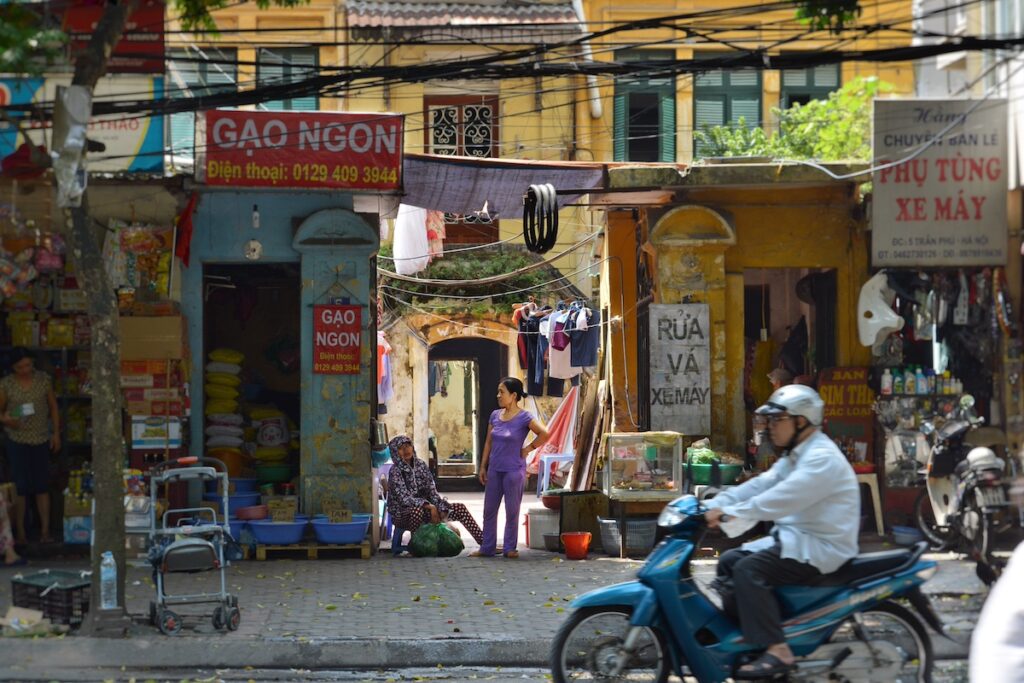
(888, 642)
(940, 538)
(586, 648)
(979, 530)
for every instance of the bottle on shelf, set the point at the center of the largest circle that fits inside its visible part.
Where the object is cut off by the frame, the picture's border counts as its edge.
(897, 382)
(929, 376)
(886, 383)
(920, 382)
(947, 386)
(909, 381)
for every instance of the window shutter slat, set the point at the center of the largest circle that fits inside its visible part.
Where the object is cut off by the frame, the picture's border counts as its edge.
(748, 77)
(747, 109)
(667, 121)
(621, 125)
(710, 79)
(826, 76)
(794, 78)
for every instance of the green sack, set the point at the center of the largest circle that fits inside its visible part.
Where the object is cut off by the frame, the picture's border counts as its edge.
(435, 540)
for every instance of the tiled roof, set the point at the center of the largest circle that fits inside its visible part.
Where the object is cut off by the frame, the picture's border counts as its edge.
(363, 14)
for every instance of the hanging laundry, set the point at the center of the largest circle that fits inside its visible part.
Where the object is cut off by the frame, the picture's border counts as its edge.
(411, 249)
(531, 331)
(435, 233)
(585, 338)
(560, 354)
(385, 387)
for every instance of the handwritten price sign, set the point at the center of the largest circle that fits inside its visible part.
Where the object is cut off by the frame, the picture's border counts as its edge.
(301, 149)
(337, 340)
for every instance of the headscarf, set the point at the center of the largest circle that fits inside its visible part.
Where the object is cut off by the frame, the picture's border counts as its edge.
(395, 445)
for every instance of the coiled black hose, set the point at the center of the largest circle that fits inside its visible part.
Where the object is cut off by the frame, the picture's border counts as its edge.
(540, 218)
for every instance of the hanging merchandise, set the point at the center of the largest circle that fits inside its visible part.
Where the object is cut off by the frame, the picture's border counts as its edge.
(411, 248)
(540, 218)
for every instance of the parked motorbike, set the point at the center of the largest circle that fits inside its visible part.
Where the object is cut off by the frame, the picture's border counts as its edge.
(851, 625)
(964, 502)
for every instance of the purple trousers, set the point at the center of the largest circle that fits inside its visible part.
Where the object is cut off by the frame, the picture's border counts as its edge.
(507, 485)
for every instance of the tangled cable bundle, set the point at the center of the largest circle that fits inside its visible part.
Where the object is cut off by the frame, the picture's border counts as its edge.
(540, 218)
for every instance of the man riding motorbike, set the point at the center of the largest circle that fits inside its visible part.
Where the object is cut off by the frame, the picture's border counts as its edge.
(812, 496)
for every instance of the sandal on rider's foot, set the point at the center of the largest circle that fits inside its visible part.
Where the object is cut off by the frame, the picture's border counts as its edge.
(765, 666)
(512, 555)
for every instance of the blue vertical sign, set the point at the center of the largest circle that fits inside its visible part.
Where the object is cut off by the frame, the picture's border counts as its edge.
(16, 91)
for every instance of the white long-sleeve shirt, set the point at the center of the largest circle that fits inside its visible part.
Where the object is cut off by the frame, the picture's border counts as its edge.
(997, 646)
(814, 499)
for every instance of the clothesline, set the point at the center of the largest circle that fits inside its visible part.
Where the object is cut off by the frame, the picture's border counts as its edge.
(480, 297)
(516, 237)
(609, 322)
(488, 280)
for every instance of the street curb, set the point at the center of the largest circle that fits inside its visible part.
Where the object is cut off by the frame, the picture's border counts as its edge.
(231, 653)
(228, 652)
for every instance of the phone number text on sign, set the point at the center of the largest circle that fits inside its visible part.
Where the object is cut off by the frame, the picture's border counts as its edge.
(301, 149)
(337, 340)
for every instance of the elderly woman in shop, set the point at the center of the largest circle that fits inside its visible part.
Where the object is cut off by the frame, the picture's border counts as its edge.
(413, 499)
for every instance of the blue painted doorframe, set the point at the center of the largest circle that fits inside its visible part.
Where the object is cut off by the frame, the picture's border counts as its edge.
(334, 246)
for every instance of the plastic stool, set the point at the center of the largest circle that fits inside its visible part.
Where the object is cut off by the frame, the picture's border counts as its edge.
(871, 481)
(544, 470)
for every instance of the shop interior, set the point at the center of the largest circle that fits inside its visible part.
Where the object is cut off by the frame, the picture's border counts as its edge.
(462, 382)
(252, 331)
(788, 321)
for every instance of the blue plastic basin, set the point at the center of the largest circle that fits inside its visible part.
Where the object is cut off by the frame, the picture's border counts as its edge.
(341, 533)
(237, 501)
(237, 525)
(277, 533)
(245, 485)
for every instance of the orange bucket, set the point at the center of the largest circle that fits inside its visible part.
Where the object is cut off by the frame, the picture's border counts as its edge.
(577, 543)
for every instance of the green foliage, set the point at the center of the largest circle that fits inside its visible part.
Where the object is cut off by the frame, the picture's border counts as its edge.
(470, 265)
(27, 45)
(832, 15)
(195, 14)
(834, 129)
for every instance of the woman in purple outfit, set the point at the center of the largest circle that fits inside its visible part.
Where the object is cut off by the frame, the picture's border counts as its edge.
(503, 468)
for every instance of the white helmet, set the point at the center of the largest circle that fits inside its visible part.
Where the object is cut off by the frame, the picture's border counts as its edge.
(795, 400)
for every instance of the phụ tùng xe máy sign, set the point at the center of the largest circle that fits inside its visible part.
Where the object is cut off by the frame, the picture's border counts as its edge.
(945, 206)
(308, 149)
(337, 339)
(680, 382)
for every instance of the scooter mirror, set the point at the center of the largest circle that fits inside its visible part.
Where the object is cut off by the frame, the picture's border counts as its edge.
(927, 428)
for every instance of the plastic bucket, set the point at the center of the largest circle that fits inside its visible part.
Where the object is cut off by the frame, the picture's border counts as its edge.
(576, 543)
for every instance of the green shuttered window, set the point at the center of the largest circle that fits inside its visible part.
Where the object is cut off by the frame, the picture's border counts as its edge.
(288, 65)
(645, 113)
(723, 98)
(194, 73)
(803, 85)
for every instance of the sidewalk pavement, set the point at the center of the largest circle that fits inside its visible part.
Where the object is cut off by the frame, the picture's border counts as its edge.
(389, 612)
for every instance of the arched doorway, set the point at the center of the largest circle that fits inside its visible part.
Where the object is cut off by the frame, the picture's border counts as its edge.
(463, 374)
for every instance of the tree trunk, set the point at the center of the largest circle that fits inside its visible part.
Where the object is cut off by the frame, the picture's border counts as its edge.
(107, 445)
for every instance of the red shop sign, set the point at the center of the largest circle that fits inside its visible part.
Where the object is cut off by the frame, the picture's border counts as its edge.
(337, 339)
(141, 48)
(300, 149)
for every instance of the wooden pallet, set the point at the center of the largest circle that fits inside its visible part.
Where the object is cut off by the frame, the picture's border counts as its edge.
(313, 550)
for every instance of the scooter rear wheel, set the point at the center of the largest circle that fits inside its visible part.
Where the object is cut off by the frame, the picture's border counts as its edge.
(889, 643)
(587, 645)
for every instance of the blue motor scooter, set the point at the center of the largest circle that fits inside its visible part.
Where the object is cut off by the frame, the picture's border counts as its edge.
(851, 625)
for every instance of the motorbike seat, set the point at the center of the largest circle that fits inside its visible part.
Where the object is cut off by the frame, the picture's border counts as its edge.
(864, 566)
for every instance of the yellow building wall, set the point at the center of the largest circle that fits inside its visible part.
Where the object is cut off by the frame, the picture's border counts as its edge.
(774, 227)
(605, 13)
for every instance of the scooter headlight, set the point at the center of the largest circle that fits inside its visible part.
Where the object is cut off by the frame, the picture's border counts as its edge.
(670, 517)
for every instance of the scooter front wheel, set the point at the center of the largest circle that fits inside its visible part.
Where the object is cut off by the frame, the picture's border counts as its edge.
(588, 647)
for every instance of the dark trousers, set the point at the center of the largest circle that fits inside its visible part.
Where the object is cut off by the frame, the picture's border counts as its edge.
(747, 581)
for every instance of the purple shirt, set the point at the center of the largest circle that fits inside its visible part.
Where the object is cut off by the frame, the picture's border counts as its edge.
(507, 441)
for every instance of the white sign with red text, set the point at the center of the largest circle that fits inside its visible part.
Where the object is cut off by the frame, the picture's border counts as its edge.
(946, 206)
